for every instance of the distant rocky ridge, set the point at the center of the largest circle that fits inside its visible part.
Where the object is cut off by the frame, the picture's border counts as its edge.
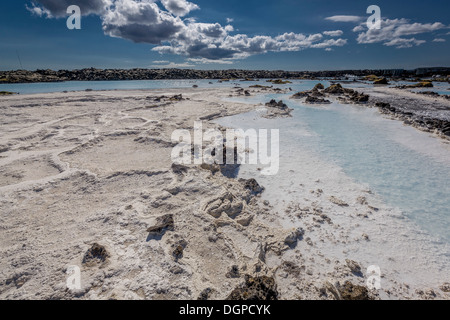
(92, 74)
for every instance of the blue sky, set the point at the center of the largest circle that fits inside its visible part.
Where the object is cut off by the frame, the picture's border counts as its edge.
(232, 34)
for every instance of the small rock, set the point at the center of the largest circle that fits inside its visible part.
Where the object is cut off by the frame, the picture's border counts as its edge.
(204, 295)
(338, 202)
(293, 237)
(445, 287)
(256, 288)
(164, 223)
(252, 185)
(96, 253)
(315, 100)
(354, 267)
(233, 272)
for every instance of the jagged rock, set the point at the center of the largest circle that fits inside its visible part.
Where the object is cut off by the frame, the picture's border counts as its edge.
(164, 223)
(316, 93)
(96, 253)
(279, 105)
(300, 95)
(252, 185)
(335, 89)
(293, 237)
(314, 100)
(277, 109)
(354, 267)
(256, 288)
(383, 105)
(381, 81)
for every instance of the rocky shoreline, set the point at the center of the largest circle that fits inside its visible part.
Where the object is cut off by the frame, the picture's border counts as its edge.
(411, 108)
(93, 74)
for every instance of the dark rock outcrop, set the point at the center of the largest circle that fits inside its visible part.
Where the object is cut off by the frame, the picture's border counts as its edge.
(383, 81)
(300, 95)
(93, 74)
(96, 253)
(319, 86)
(277, 109)
(335, 89)
(315, 100)
(350, 291)
(252, 185)
(256, 288)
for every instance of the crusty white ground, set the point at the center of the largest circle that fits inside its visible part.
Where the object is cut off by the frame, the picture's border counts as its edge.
(95, 167)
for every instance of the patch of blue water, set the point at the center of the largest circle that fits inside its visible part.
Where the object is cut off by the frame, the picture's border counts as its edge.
(364, 145)
(415, 183)
(33, 88)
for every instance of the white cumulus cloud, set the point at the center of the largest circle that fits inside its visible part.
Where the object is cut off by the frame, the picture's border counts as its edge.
(179, 7)
(336, 33)
(344, 18)
(161, 23)
(396, 33)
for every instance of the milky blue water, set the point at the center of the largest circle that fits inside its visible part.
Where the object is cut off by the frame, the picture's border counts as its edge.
(32, 88)
(409, 169)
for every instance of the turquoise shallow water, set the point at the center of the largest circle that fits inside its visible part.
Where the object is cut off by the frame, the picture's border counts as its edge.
(409, 169)
(367, 151)
(32, 88)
